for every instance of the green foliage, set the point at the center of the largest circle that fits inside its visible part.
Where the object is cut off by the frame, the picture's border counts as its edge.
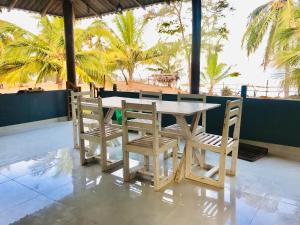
(42, 56)
(268, 20)
(168, 62)
(214, 72)
(126, 46)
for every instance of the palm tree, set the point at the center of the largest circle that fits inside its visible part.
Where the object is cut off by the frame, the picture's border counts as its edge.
(168, 62)
(126, 46)
(42, 56)
(269, 20)
(291, 56)
(215, 71)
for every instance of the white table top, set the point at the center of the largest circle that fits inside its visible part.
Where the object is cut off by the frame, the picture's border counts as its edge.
(162, 106)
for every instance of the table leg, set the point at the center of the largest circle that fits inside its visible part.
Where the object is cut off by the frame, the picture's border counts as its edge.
(188, 135)
(109, 115)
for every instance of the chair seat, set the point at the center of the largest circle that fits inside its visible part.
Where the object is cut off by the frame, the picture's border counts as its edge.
(213, 140)
(146, 141)
(175, 130)
(111, 131)
(141, 121)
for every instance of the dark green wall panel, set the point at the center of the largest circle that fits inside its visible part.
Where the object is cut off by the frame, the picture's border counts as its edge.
(266, 120)
(29, 107)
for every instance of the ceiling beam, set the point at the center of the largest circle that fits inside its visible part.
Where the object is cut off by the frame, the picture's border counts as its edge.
(139, 3)
(110, 4)
(12, 5)
(46, 8)
(90, 7)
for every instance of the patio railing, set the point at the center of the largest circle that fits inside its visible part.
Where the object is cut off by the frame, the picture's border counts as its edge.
(265, 120)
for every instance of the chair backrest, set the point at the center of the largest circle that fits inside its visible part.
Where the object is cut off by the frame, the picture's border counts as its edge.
(91, 109)
(142, 112)
(74, 96)
(150, 95)
(194, 98)
(232, 117)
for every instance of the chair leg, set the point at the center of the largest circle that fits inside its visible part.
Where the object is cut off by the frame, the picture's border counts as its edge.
(103, 155)
(188, 159)
(222, 169)
(126, 169)
(202, 158)
(82, 152)
(175, 159)
(156, 172)
(166, 155)
(146, 162)
(234, 157)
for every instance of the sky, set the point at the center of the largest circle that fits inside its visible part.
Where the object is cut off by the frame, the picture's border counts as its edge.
(249, 67)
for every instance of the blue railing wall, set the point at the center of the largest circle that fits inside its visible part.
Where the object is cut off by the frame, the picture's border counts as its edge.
(266, 120)
(29, 107)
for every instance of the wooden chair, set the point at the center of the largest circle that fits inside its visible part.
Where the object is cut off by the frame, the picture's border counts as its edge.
(150, 144)
(223, 145)
(74, 96)
(175, 130)
(91, 108)
(151, 96)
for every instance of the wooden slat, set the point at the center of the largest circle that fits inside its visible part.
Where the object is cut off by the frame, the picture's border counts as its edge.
(140, 125)
(139, 107)
(89, 100)
(90, 116)
(12, 5)
(235, 103)
(234, 112)
(47, 6)
(232, 121)
(191, 97)
(139, 115)
(212, 171)
(76, 94)
(90, 108)
(151, 95)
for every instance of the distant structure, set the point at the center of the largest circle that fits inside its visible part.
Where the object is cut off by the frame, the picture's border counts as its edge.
(169, 80)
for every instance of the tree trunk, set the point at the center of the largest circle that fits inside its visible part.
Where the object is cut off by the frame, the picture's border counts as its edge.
(80, 81)
(130, 75)
(286, 86)
(58, 82)
(211, 89)
(189, 69)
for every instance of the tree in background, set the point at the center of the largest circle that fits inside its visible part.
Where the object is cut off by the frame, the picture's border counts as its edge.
(269, 20)
(42, 56)
(290, 57)
(214, 72)
(168, 62)
(126, 46)
(173, 23)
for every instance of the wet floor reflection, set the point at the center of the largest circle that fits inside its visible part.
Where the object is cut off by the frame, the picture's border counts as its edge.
(55, 189)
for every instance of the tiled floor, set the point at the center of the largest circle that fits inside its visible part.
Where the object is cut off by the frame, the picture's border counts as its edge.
(55, 189)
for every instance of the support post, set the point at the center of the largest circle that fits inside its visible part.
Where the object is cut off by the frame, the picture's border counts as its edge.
(196, 46)
(68, 12)
(244, 91)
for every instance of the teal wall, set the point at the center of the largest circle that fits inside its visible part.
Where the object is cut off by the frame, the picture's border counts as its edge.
(266, 120)
(29, 107)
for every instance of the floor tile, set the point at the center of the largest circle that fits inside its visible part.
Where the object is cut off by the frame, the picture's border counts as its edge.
(12, 194)
(24, 210)
(50, 179)
(262, 193)
(276, 212)
(3, 179)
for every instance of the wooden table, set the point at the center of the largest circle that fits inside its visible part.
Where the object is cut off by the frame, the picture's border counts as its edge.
(177, 109)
